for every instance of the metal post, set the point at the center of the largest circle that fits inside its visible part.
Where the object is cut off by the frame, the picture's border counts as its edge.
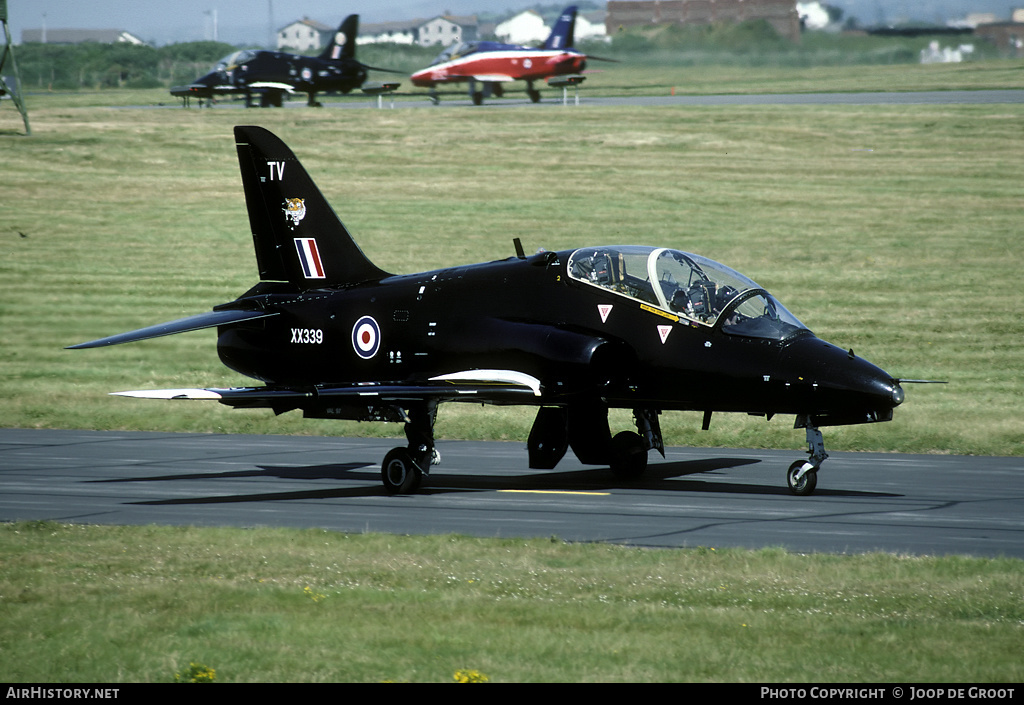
(8, 54)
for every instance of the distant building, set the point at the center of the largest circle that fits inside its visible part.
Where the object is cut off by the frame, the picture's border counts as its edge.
(528, 27)
(1008, 37)
(780, 14)
(304, 35)
(447, 30)
(591, 25)
(444, 30)
(525, 28)
(79, 36)
(976, 18)
(395, 32)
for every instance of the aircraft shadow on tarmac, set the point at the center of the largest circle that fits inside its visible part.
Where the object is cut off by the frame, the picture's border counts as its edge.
(335, 471)
(659, 477)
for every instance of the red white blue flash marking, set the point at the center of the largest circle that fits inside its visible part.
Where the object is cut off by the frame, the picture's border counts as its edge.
(309, 258)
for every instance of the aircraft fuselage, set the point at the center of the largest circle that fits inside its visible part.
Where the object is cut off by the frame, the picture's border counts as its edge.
(581, 341)
(502, 64)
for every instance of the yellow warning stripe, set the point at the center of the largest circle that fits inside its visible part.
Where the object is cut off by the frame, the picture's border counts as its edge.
(658, 311)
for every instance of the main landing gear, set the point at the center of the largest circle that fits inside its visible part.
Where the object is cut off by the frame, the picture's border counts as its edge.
(584, 428)
(532, 92)
(404, 469)
(802, 476)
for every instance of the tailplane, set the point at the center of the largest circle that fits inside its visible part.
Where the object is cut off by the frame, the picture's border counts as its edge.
(561, 36)
(343, 44)
(297, 235)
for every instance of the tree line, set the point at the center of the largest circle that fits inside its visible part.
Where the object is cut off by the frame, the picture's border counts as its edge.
(96, 65)
(93, 65)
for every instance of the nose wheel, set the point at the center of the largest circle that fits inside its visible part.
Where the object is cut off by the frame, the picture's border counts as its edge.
(802, 476)
(801, 479)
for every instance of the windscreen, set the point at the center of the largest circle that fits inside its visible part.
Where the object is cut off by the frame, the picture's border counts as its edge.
(688, 285)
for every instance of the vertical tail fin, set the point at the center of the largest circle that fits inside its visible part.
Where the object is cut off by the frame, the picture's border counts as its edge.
(562, 33)
(298, 236)
(343, 43)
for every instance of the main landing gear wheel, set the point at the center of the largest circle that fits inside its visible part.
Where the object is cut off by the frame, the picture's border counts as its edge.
(400, 472)
(629, 455)
(534, 95)
(803, 485)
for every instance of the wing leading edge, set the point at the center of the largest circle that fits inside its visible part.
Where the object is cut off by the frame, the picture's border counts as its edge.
(480, 386)
(211, 319)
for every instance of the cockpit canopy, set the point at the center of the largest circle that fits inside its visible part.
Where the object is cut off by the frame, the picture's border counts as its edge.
(235, 59)
(459, 49)
(687, 285)
(454, 52)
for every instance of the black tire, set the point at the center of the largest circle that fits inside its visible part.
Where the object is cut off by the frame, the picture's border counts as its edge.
(629, 457)
(534, 95)
(806, 484)
(399, 473)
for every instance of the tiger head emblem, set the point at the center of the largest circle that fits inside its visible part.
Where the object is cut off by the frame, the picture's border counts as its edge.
(294, 210)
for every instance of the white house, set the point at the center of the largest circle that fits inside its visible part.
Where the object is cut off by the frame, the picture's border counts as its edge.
(439, 30)
(528, 27)
(304, 35)
(590, 25)
(525, 28)
(396, 32)
(309, 35)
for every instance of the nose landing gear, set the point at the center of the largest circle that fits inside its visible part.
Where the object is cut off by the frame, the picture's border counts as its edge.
(802, 476)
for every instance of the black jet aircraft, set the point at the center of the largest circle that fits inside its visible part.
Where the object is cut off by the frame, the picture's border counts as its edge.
(572, 333)
(272, 74)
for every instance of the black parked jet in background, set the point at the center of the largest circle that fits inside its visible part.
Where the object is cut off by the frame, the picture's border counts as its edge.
(572, 333)
(272, 74)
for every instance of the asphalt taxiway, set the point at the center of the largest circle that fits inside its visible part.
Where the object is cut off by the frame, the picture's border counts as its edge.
(907, 504)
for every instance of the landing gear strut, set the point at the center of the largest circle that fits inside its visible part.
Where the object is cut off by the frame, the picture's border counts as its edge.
(584, 428)
(802, 476)
(629, 449)
(404, 469)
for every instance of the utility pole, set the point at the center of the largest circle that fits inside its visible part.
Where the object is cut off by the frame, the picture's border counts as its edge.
(7, 57)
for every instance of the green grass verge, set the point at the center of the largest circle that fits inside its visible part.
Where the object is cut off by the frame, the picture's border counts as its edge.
(139, 604)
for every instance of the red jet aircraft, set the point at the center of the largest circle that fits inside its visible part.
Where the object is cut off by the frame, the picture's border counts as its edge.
(491, 63)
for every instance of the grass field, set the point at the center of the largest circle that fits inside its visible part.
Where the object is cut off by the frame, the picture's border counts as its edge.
(117, 604)
(891, 230)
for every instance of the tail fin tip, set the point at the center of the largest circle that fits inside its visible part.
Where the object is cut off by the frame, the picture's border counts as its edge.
(297, 235)
(562, 34)
(343, 43)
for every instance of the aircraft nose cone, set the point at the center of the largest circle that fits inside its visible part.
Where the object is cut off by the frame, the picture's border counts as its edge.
(838, 384)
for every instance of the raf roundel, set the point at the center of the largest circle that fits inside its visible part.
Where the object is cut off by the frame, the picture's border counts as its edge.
(366, 337)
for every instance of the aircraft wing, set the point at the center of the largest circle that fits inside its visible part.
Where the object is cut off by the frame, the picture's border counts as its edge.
(203, 90)
(479, 386)
(188, 91)
(494, 77)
